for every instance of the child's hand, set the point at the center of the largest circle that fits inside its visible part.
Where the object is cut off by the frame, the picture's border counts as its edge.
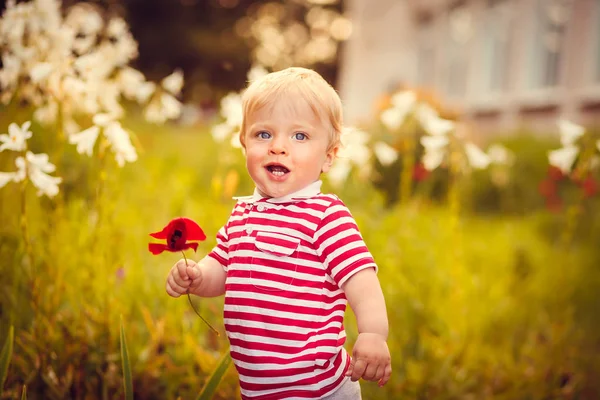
(183, 278)
(371, 359)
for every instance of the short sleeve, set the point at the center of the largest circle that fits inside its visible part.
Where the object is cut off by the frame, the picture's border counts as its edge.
(339, 244)
(221, 250)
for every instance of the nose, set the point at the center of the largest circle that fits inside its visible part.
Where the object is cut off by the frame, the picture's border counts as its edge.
(277, 146)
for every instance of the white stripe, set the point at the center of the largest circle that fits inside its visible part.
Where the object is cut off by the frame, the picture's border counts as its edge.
(284, 300)
(272, 366)
(265, 340)
(276, 285)
(282, 328)
(318, 386)
(282, 314)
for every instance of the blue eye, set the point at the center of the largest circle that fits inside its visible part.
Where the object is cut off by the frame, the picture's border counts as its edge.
(263, 135)
(300, 136)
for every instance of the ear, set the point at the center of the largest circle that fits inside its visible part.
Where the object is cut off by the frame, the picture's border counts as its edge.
(329, 158)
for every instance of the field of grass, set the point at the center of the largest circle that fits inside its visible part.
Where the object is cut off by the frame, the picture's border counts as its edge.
(480, 306)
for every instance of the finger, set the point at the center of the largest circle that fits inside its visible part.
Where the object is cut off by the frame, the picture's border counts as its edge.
(182, 269)
(379, 372)
(193, 271)
(387, 373)
(359, 370)
(174, 288)
(370, 372)
(350, 368)
(183, 281)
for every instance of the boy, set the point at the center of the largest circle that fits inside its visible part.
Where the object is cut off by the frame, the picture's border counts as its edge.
(290, 258)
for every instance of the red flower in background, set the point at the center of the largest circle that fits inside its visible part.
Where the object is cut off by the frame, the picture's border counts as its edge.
(589, 186)
(176, 234)
(420, 173)
(555, 173)
(549, 189)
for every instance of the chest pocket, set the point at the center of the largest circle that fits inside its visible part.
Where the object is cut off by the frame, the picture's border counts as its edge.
(274, 261)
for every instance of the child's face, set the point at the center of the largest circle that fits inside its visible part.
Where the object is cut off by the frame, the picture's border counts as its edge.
(286, 147)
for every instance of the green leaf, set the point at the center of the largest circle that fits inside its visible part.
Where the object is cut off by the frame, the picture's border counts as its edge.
(6, 355)
(127, 383)
(213, 382)
(24, 393)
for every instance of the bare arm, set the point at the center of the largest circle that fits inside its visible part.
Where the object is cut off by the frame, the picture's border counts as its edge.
(365, 297)
(212, 279)
(371, 358)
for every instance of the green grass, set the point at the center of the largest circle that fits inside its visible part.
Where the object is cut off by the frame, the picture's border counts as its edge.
(490, 308)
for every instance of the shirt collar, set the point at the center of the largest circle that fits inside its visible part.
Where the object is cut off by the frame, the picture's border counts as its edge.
(307, 192)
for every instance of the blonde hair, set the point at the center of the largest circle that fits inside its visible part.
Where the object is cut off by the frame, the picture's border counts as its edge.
(320, 96)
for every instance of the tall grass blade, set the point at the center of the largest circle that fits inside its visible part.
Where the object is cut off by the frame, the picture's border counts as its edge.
(6, 355)
(24, 393)
(127, 383)
(213, 382)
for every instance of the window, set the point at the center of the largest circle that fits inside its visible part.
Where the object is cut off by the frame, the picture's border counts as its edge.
(596, 41)
(551, 17)
(459, 33)
(426, 54)
(496, 31)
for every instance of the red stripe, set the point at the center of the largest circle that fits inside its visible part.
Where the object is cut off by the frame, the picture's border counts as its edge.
(285, 335)
(247, 316)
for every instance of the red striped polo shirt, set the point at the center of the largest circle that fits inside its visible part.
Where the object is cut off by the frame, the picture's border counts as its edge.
(286, 260)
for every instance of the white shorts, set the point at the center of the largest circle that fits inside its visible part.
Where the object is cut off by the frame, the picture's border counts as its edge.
(348, 390)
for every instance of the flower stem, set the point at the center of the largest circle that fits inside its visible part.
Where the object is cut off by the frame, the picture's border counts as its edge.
(194, 308)
(27, 239)
(408, 162)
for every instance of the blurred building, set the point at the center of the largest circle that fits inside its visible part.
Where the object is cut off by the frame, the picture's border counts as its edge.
(504, 63)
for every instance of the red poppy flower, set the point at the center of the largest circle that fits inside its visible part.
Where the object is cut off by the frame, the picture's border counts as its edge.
(177, 234)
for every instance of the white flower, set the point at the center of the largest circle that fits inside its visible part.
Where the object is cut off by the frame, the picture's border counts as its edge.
(392, 118)
(171, 107)
(221, 131)
(402, 105)
(563, 158)
(131, 82)
(404, 101)
(144, 91)
(569, 132)
(354, 146)
(425, 112)
(256, 72)
(385, 153)
(438, 126)
(174, 82)
(477, 158)
(103, 119)
(6, 177)
(46, 114)
(120, 143)
(40, 71)
(235, 141)
(37, 167)
(85, 140)
(434, 142)
(16, 138)
(432, 159)
(231, 109)
(434, 151)
(339, 171)
(500, 155)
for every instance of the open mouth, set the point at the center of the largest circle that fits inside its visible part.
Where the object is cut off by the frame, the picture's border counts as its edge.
(277, 169)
